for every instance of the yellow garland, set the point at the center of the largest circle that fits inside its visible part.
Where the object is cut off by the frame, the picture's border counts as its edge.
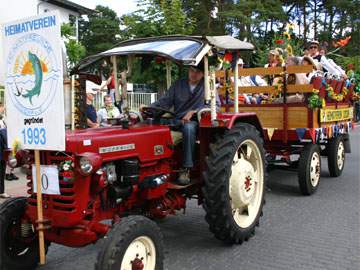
(15, 147)
(337, 97)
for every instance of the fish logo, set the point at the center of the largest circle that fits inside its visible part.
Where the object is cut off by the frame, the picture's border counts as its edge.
(33, 74)
(37, 68)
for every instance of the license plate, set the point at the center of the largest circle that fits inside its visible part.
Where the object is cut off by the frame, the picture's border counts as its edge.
(49, 179)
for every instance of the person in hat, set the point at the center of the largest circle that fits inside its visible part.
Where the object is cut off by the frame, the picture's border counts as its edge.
(91, 116)
(328, 65)
(317, 68)
(186, 97)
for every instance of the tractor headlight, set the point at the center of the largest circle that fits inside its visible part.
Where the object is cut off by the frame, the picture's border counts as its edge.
(85, 165)
(12, 161)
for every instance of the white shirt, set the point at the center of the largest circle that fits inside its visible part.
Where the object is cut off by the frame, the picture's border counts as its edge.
(103, 115)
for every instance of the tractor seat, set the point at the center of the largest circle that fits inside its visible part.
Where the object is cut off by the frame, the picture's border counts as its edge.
(176, 137)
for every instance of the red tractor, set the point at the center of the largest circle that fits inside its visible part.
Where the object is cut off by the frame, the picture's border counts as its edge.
(126, 174)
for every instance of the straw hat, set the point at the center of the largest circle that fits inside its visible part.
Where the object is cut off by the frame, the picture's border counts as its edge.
(310, 60)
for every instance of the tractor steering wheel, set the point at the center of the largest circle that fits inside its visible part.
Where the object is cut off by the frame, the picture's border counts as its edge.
(156, 112)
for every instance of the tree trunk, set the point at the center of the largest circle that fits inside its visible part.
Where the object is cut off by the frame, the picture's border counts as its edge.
(315, 19)
(304, 18)
(331, 21)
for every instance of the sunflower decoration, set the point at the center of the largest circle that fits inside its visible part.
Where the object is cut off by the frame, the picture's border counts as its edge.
(285, 39)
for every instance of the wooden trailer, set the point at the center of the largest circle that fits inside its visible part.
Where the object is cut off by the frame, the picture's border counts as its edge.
(298, 134)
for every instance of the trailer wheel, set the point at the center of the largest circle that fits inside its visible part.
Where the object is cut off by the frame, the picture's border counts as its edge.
(19, 244)
(309, 169)
(234, 184)
(336, 156)
(135, 243)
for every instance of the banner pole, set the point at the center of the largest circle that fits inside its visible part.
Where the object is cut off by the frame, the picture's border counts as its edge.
(39, 209)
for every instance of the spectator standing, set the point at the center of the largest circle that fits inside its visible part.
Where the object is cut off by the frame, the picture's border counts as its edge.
(3, 146)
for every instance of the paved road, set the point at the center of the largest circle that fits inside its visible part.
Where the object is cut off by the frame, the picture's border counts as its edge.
(296, 232)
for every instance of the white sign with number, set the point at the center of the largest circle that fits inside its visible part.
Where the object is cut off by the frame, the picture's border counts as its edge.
(34, 82)
(49, 179)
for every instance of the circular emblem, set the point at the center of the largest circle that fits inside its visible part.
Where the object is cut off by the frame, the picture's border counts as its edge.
(32, 74)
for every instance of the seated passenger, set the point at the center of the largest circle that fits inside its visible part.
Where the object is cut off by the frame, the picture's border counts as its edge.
(297, 78)
(108, 111)
(328, 64)
(255, 80)
(317, 69)
(91, 116)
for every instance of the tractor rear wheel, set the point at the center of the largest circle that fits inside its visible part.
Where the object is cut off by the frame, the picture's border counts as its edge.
(135, 243)
(234, 184)
(309, 169)
(19, 244)
(336, 156)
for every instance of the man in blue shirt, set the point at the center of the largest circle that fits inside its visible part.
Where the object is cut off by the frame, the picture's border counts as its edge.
(90, 110)
(186, 96)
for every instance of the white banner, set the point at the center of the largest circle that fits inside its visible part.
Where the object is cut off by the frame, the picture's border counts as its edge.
(49, 179)
(34, 83)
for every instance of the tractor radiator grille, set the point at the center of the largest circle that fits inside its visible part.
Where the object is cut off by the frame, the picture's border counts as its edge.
(66, 200)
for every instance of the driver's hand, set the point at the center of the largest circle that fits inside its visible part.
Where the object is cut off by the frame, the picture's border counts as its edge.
(188, 116)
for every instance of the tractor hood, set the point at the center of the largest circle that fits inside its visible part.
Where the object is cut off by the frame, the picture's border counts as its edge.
(147, 142)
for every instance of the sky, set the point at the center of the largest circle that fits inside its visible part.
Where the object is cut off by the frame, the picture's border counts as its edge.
(119, 6)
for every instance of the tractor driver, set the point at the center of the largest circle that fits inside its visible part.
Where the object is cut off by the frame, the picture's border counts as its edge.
(186, 96)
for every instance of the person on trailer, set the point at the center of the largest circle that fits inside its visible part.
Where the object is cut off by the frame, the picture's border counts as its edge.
(253, 80)
(186, 96)
(108, 111)
(317, 69)
(328, 65)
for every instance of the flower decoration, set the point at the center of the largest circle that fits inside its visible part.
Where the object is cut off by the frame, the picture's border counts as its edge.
(15, 147)
(342, 42)
(287, 35)
(279, 41)
(228, 57)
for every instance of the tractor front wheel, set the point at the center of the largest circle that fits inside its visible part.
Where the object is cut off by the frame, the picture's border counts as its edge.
(135, 243)
(19, 244)
(234, 184)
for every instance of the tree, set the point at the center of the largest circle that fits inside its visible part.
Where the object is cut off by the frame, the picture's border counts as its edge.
(75, 50)
(156, 18)
(101, 31)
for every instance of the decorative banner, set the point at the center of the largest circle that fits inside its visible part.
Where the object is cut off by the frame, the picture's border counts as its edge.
(34, 82)
(270, 132)
(300, 133)
(312, 134)
(333, 115)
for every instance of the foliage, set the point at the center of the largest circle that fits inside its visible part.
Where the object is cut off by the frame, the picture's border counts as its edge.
(101, 31)
(74, 50)
(157, 18)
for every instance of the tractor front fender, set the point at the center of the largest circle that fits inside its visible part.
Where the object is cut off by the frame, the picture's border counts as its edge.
(228, 120)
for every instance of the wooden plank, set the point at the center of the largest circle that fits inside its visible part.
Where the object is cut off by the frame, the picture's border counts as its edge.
(297, 117)
(257, 89)
(299, 88)
(299, 69)
(267, 71)
(270, 117)
(260, 71)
